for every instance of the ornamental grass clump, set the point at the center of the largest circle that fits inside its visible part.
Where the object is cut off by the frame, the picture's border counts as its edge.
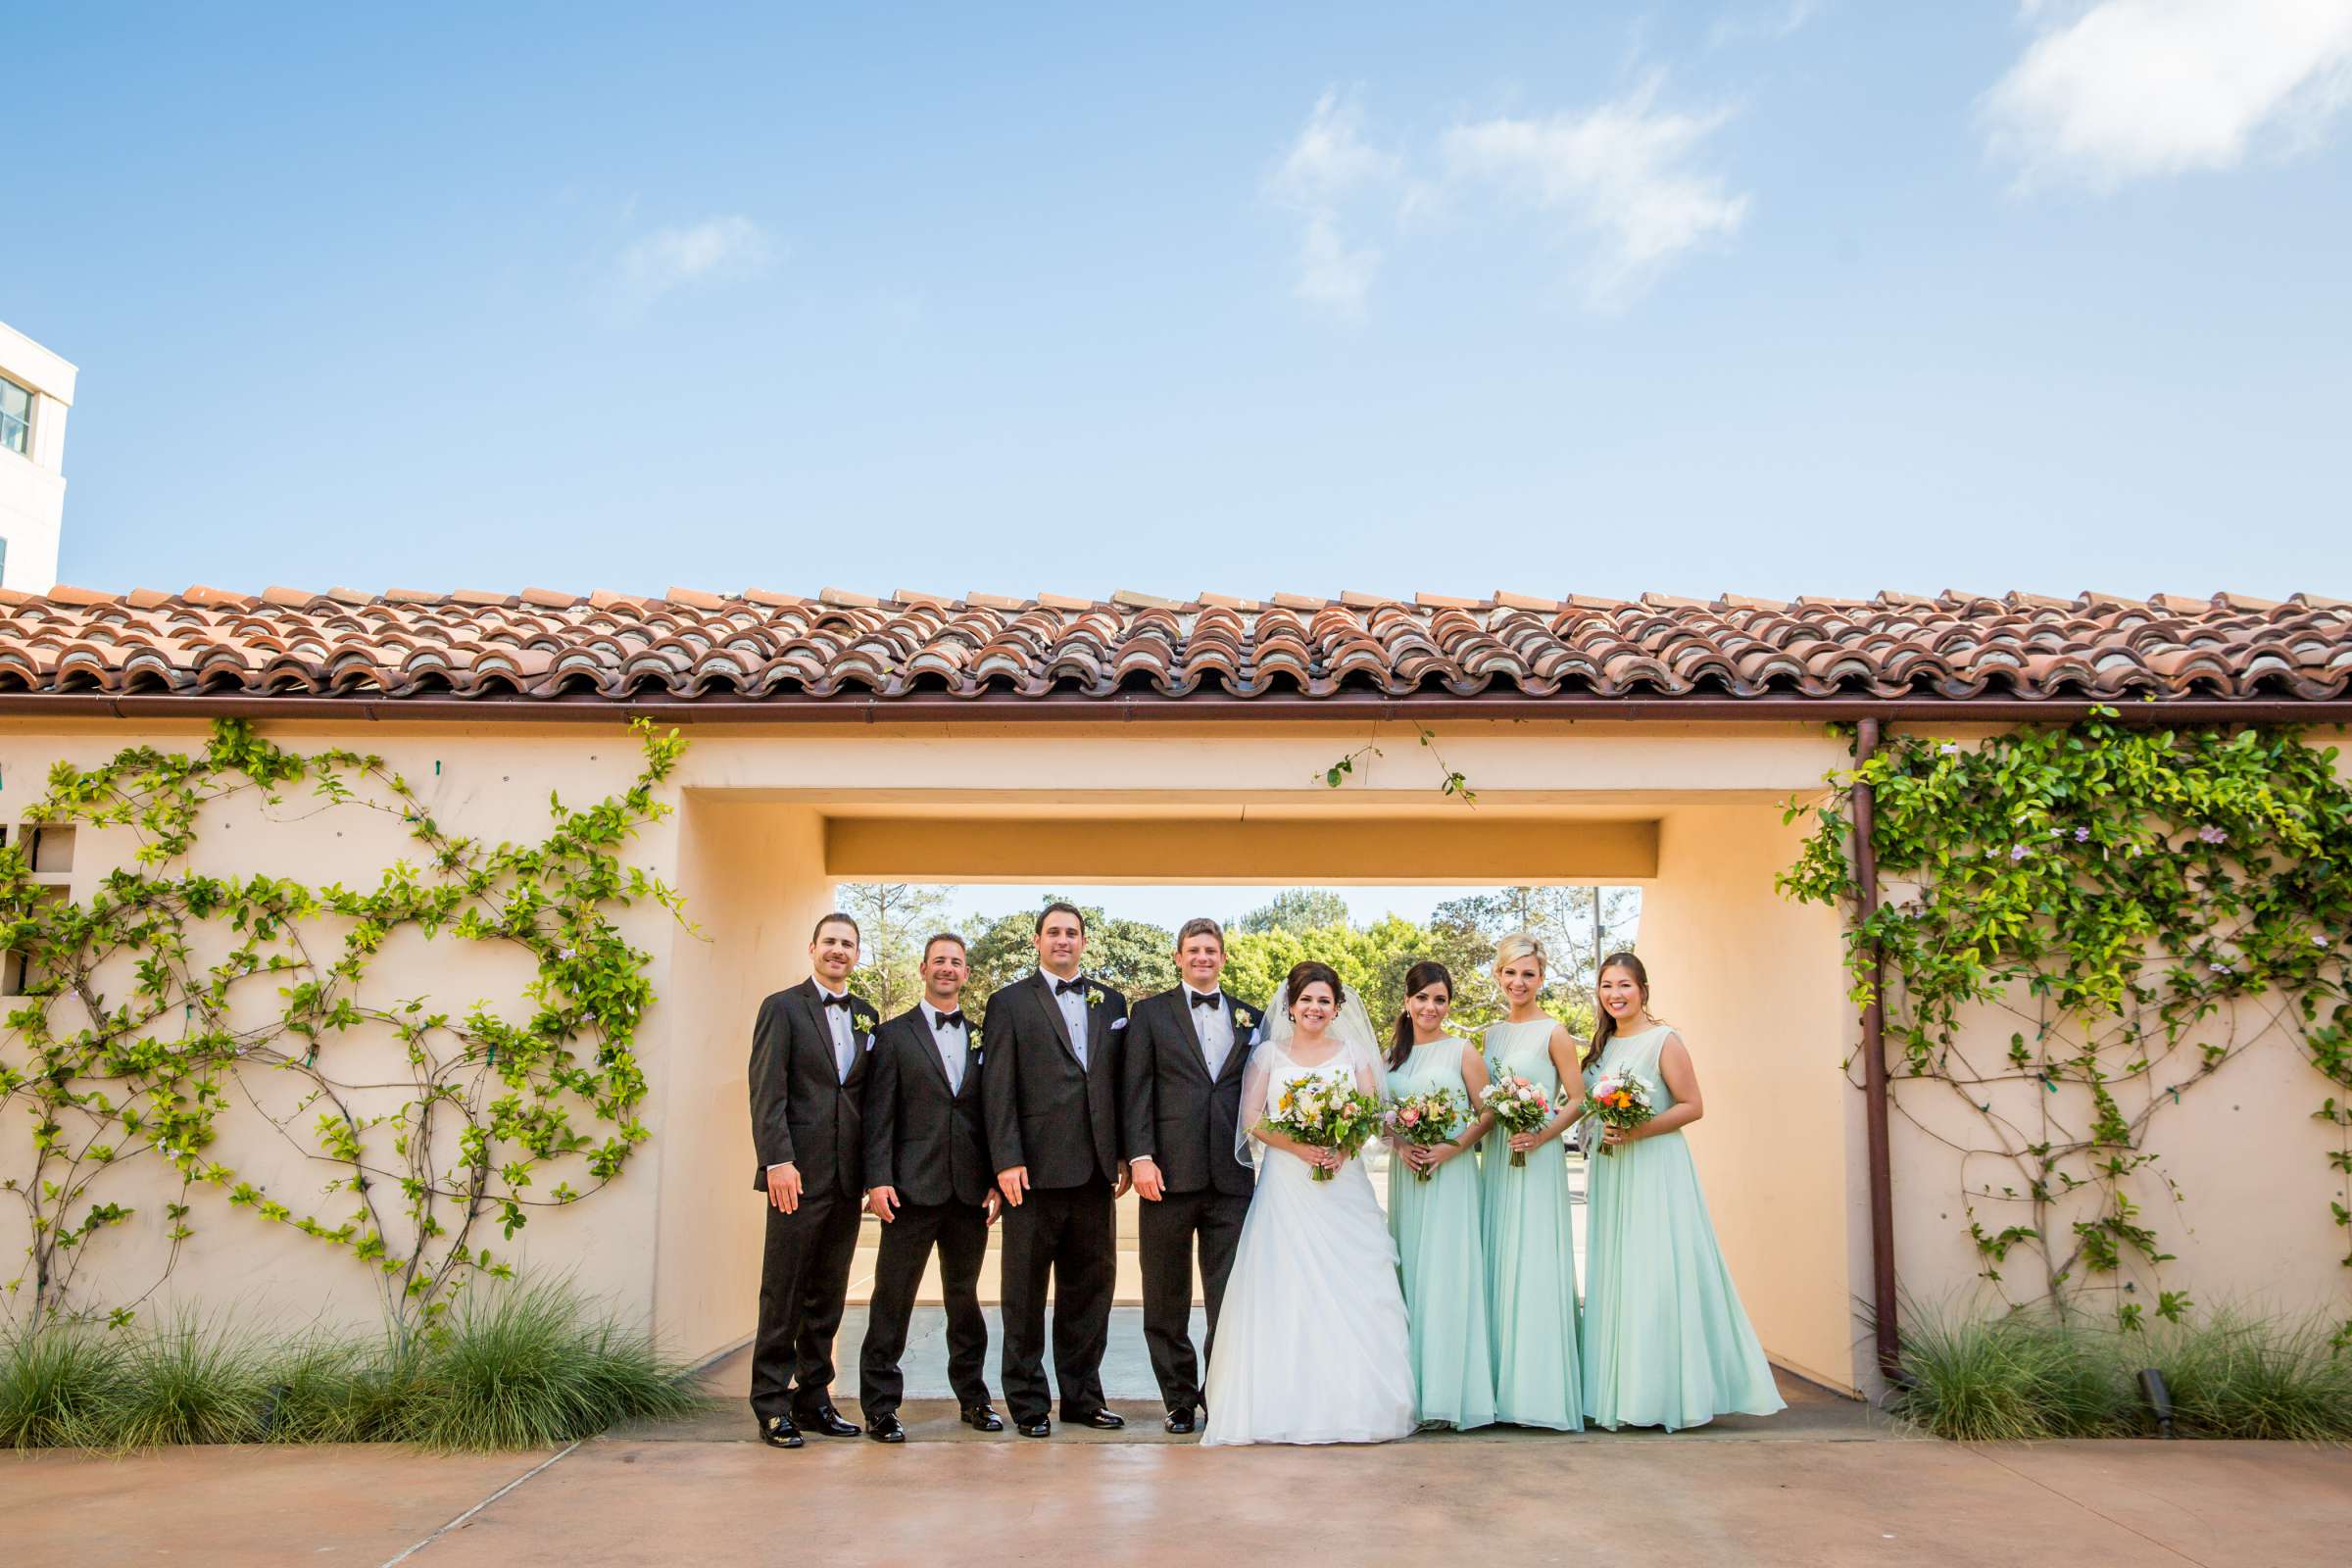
(327, 1388)
(530, 1364)
(2232, 1376)
(2029, 1375)
(56, 1384)
(517, 1366)
(193, 1380)
(2016, 1377)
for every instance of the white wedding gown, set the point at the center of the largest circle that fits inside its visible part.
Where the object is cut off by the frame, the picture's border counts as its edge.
(1311, 1344)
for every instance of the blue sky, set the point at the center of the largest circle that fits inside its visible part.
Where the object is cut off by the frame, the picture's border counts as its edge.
(1774, 297)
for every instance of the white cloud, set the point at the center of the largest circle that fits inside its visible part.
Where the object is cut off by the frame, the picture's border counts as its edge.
(715, 250)
(1331, 159)
(1621, 175)
(1762, 26)
(1333, 274)
(2127, 89)
(1327, 167)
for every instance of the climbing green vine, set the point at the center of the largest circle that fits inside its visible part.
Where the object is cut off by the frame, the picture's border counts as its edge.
(1450, 780)
(2148, 905)
(178, 1009)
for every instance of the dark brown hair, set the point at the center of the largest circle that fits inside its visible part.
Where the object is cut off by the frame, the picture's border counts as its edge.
(937, 937)
(836, 918)
(1200, 925)
(1307, 975)
(1059, 907)
(1607, 1027)
(1419, 978)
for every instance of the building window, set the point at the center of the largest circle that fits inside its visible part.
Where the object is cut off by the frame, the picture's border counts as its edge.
(16, 415)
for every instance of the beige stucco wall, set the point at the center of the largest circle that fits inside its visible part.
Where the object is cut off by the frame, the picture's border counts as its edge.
(1755, 986)
(755, 880)
(491, 789)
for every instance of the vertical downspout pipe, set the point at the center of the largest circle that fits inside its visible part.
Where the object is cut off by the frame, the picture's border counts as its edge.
(1874, 1073)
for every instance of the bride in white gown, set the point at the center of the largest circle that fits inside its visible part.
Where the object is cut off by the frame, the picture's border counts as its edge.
(1311, 1344)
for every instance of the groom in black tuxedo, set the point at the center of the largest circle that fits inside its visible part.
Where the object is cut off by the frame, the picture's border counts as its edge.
(1181, 1092)
(929, 1182)
(808, 1051)
(1051, 1092)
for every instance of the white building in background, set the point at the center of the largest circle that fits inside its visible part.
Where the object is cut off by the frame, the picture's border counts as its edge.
(36, 388)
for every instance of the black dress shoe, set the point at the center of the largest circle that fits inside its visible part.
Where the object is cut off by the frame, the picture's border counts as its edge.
(826, 1421)
(886, 1430)
(778, 1432)
(1179, 1421)
(1040, 1428)
(1102, 1421)
(980, 1418)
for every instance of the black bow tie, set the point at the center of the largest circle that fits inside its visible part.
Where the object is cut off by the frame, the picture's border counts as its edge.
(1062, 988)
(1212, 999)
(951, 1021)
(837, 1001)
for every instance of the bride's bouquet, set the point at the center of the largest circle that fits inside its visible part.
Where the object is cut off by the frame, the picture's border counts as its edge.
(1618, 1099)
(1519, 1106)
(1425, 1121)
(1326, 1113)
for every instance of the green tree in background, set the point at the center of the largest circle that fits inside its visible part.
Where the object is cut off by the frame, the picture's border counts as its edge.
(1138, 957)
(1298, 909)
(1579, 926)
(894, 919)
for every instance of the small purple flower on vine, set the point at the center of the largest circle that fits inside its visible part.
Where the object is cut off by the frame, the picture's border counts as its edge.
(1948, 749)
(2212, 835)
(2082, 835)
(2018, 851)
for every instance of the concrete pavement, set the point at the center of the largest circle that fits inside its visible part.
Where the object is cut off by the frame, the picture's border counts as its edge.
(1668, 1503)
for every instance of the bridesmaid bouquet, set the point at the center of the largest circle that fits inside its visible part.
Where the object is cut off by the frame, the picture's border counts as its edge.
(1519, 1106)
(1326, 1113)
(1425, 1121)
(1619, 1100)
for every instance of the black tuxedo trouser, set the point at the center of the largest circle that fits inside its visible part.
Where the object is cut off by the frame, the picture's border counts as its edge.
(961, 1232)
(1068, 1234)
(1164, 1233)
(804, 1280)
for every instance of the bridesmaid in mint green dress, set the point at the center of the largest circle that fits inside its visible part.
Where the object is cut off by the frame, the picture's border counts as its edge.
(1441, 1253)
(1531, 1248)
(1666, 1342)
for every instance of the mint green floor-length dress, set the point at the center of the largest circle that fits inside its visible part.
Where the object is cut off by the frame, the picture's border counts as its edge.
(1530, 1253)
(1666, 1342)
(1441, 1256)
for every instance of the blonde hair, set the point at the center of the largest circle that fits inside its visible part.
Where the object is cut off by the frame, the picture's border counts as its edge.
(1522, 945)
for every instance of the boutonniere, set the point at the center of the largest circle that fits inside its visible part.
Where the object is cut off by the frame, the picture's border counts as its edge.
(1244, 1019)
(1093, 997)
(864, 1022)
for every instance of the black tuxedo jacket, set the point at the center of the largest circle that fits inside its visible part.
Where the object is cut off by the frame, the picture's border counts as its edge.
(1043, 1110)
(800, 1110)
(921, 1138)
(1171, 1109)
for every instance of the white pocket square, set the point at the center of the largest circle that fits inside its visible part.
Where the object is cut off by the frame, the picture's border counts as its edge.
(1118, 1023)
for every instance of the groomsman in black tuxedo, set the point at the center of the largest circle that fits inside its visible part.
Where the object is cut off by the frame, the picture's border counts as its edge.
(928, 1181)
(1051, 1091)
(809, 1051)
(1180, 1083)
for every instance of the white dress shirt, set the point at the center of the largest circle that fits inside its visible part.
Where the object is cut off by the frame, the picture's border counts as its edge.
(1073, 1011)
(953, 1039)
(845, 1041)
(1215, 1025)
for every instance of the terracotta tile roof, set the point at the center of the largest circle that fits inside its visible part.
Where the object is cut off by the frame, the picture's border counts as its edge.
(688, 644)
